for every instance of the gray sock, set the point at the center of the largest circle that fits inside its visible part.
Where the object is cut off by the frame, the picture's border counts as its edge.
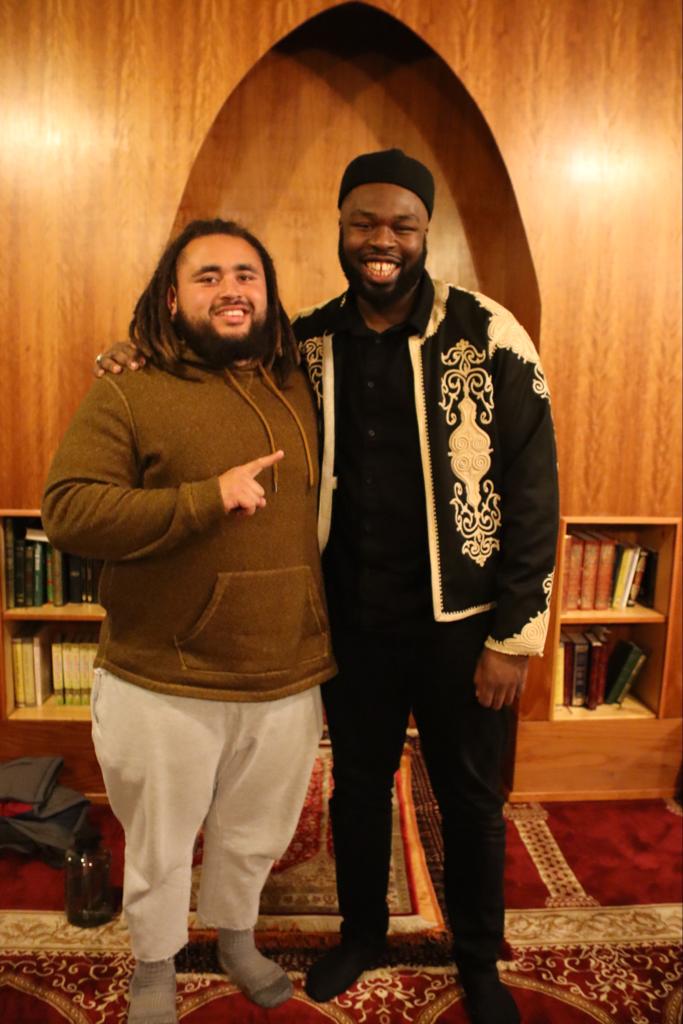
(263, 981)
(152, 991)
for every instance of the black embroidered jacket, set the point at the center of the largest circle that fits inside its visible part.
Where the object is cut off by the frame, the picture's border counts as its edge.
(488, 458)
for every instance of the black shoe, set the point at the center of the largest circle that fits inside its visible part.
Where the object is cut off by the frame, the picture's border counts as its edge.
(340, 968)
(487, 999)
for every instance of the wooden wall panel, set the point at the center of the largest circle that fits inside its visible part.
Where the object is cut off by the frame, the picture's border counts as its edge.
(356, 80)
(106, 106)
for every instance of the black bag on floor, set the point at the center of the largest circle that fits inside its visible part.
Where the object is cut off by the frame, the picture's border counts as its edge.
(37, 816)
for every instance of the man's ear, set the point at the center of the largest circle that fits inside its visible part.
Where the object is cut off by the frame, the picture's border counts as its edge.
(172, 300)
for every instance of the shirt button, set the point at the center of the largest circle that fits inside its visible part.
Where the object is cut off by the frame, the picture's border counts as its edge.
(367, 527)
(371, 384)
(371, 432)
(369, 478)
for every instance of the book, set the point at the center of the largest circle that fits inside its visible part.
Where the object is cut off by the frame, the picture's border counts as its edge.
(29, 672)
(19, 571)
(597, 671)
(624, 575)
(18, 672)
(58, 598)
(574, 572)
(57, 668)
(558, 675)
(646, 595)
(603, 583)
(39, 574)
(42, 662)
(580, 667)
(638, 577)
(625, 663)
(589, 569)
(566, 550)
(75, 577)
(568, 668)
(29, 569)
(9, 562)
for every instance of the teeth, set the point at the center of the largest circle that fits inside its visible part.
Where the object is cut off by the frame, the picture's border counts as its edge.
(382, 269)
(232, 314)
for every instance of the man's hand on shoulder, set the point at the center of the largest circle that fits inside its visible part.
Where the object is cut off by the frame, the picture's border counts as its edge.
(121, 356)
(499, 678)
(240, 490)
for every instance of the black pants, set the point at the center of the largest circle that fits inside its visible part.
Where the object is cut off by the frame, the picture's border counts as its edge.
(382, 677)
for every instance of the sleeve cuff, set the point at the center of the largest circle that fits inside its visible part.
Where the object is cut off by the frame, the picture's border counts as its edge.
(206, 504)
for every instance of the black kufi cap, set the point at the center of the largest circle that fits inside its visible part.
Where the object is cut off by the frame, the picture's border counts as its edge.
(393, 167)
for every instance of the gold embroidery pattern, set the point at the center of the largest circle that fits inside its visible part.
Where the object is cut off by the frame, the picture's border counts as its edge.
(531, 639)
(312, 352)
(506, 332)
(563, 886)
(467, 399)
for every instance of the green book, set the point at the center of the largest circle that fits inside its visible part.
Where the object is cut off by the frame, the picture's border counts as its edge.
(623, 667)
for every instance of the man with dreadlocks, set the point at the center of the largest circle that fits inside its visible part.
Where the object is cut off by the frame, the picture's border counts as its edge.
(196, 481)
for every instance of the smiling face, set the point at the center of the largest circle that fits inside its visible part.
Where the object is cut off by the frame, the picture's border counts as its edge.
(220, 301)
(382, 247)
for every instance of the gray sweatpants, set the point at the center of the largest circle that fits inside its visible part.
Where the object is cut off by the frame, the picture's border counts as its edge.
(171, 764)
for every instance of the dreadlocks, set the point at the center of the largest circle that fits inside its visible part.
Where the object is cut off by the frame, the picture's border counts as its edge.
(152, 331)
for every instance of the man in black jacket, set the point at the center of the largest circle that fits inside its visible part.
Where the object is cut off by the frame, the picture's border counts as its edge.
(438, 516)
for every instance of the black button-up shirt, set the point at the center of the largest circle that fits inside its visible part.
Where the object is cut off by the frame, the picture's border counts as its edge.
(377, 558)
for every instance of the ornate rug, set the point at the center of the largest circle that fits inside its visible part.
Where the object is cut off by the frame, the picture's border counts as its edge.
(593, 926)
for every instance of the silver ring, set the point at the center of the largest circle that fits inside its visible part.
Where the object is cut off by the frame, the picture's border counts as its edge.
(98, 358)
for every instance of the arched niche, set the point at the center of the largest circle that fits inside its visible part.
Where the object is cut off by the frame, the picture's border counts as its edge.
(347, 81)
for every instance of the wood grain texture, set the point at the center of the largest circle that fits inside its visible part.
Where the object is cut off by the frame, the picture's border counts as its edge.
(559, 760)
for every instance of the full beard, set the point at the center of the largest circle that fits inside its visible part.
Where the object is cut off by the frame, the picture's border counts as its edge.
(219, 352)
(381, 296)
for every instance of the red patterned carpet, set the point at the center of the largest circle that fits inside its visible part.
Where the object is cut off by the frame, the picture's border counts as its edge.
(593, 925)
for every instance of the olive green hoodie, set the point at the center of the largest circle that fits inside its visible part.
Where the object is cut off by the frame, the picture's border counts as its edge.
(199, 603)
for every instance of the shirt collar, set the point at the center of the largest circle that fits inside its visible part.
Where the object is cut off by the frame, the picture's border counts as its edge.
(347, 318)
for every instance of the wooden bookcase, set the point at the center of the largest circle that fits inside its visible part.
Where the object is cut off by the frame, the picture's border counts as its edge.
(632, 750)
(613, 752)
(51, 729)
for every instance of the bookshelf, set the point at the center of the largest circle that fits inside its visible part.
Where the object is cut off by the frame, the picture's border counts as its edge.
(51, 729)
(628, 750)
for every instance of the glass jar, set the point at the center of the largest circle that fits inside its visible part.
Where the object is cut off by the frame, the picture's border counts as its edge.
(87, 887)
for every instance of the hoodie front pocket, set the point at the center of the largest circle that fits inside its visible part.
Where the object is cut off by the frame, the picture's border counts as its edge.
(263, 621)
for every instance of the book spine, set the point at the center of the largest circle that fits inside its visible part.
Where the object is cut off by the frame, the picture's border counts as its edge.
(19, 572)
(18, 673)
(632, 677)
(568, 670)
(29, 570)
(39, 575)
(603, 585)
(29, 677)
(589, 573)
(574, 569)
(75, 565)
(58, 577)
(638, 577)
(57, 670)
(9, 563)
(566, 556)
(580, 682)
(49, 574)
(558, 676)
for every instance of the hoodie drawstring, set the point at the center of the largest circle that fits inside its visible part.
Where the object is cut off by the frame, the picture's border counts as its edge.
(271, 440)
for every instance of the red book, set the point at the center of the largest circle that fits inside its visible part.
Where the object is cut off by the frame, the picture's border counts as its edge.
(573, 570)
(606, 559)
(597, 672)
(589, 569)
